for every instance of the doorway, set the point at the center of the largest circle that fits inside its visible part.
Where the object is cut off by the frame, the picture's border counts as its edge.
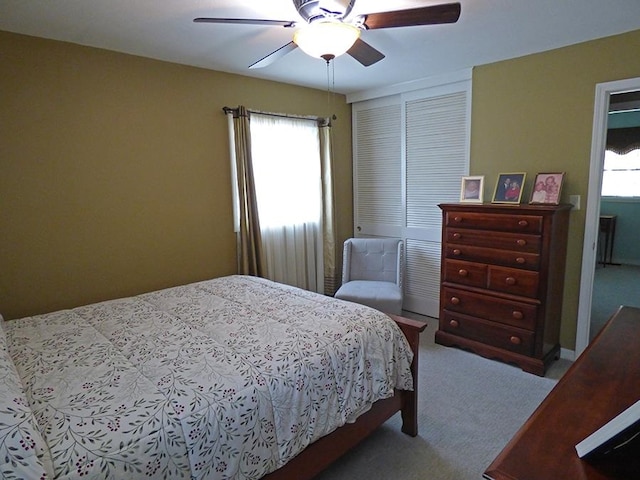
(592, 215)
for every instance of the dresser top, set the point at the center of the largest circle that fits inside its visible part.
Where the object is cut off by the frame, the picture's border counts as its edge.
(505, 207)
(602, 382)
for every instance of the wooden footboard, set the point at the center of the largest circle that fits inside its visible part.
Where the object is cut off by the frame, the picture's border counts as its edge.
(322, 453)
(411, 329)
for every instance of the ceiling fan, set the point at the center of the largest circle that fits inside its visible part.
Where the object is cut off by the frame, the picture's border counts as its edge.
(327, 21)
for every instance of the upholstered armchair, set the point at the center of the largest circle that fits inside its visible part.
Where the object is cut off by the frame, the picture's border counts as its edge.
(372, 273)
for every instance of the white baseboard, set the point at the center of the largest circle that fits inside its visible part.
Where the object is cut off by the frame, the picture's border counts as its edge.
(627, 261)
(567, 354)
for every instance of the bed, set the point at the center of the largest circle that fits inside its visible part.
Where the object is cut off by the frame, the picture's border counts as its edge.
(235, 377)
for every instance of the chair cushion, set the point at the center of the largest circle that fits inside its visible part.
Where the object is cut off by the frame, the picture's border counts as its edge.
(378, 259)
(383, 296)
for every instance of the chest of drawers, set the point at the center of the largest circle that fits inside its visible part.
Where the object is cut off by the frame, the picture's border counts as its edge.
(502, 280)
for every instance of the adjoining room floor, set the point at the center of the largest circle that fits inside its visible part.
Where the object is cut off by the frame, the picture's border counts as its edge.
(613, 285)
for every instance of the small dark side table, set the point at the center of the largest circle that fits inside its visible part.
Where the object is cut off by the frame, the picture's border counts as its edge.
(608, 228)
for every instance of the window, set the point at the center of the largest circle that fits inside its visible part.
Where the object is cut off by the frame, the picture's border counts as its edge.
(286, 162)
(621, 175)
(285, 154)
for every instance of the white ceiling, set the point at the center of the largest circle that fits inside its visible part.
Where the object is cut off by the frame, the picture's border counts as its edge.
(488, 31)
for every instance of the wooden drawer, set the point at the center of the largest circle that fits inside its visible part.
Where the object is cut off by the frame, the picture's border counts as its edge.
(517, 314)
(514, 315)
(465, 273)
(529, 261)
(514, 281)
(503, 240)
(494, 221)
(487, 332)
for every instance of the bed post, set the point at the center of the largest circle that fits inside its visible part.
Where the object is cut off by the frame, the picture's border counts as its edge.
(411, 329)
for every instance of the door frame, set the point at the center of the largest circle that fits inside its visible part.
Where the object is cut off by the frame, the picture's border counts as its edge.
(592, 223)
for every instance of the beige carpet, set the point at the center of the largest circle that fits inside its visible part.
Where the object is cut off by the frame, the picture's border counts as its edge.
(469, 408)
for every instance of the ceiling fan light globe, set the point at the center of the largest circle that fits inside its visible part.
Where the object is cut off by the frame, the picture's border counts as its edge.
(326, 38)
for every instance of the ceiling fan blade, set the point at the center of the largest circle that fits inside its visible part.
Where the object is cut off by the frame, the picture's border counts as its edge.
(275, 55)
(365, 53)
(445, 13)
(247, 21)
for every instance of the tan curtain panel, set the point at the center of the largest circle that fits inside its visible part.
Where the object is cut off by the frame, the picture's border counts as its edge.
(331, 278)
(250, 256)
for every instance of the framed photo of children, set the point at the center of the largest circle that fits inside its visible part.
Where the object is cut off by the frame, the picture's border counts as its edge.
(509, 188)
(546, 188)
(471, 189)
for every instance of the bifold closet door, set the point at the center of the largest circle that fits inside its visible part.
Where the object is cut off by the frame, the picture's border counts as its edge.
(410, 152)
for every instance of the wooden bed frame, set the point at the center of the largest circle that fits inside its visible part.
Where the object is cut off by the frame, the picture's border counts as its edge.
(322, 453)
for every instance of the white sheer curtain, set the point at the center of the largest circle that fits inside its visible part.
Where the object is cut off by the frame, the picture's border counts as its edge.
(286, 166)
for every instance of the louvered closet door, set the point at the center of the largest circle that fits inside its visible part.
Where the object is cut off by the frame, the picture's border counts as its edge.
(378, 202)
(410, 152)
(436, 159)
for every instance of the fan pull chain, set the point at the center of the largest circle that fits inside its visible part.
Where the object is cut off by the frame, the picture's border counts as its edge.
(331, 86)
(328, 88)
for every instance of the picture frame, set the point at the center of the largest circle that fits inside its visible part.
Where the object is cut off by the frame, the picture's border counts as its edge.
(471, 189)
(547, 187)
(509, 187)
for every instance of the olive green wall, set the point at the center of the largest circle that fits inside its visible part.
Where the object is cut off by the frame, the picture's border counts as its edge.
(114, 175)
(535, 114)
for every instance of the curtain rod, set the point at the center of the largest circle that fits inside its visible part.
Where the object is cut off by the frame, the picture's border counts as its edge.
(314, 118)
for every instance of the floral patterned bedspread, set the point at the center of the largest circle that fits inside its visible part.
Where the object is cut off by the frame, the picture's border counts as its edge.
(223, 379)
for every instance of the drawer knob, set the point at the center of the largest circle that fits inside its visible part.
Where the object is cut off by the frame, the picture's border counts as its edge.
(515, 340)
(517, 314)
(520, 260)
(455, 300)
(521, 242)
(462, 272)
(457, 252)
(523, 223)
(454, 323)
(510, 281)
(457, 219)
(456, 236)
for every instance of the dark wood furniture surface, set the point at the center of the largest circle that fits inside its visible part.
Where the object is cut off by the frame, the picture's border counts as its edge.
(602, 382)
(502, 280)
(322, 453)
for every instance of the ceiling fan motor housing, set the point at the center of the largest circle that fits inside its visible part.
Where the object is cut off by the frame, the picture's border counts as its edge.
(312, 10)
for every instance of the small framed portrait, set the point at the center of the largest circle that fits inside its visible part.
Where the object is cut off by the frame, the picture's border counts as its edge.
(471, 189)
(509, 188)
(546, 188)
